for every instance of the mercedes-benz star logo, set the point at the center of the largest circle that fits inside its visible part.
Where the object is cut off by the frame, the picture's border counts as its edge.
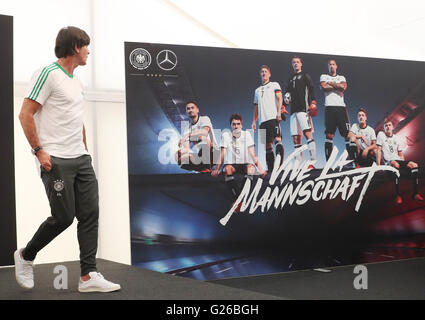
(166, 60)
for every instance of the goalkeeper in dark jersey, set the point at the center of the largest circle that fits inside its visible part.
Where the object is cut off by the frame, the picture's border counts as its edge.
(299, 94)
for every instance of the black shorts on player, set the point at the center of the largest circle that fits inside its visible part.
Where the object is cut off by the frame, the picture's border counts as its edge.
(241, 168)
(272, 131)
(403, 164)
(366, 162)
(336, 117)
(198, 165)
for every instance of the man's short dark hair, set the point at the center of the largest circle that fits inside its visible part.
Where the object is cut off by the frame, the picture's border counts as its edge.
(386, 120)
(67, 39)
(329, 61)
(235, 116)
(193, 102)
(264, 66)
(297, 57)
(362, 110)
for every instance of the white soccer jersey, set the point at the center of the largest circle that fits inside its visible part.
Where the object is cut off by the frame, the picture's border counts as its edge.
(390, 146)
(333, 97)
(59, 122)
(237, 148)
(203, 121)
(265, 98)
(366, 132)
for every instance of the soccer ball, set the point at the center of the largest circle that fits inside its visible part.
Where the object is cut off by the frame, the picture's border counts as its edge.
(287, 98)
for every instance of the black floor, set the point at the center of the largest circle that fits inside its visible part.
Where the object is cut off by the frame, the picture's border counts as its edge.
(136, 283)
(403, 279)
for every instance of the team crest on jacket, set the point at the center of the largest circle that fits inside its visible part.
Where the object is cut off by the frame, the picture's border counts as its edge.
(58, 185)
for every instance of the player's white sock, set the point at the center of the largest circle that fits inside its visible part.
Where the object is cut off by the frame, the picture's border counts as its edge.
(280, 150)
(414, 173)
(312, 148)
(299, 156)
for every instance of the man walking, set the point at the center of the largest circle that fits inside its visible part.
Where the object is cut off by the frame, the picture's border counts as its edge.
(52, 119)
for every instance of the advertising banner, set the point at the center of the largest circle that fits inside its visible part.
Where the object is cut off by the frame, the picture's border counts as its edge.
(245, 162)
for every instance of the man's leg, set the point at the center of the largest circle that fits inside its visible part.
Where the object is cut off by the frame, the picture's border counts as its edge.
(365, 161)
(205, 156)
(269, 156)
(310, 143)
(280, 150)
(352, 152)
(297, 144)
(191, 162)
(343, 123)
(330, 128)
(296, 134)
(353, 149)
(268, 131)
(306, 125)
(87, 213)
(58, 183)
(329, 144)
(399, 199)
(278, 141)
(250, 171)
(230, 181)
(414, 174)
(183, 158)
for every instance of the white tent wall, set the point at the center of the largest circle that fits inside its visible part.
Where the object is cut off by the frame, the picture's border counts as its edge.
(357, 28)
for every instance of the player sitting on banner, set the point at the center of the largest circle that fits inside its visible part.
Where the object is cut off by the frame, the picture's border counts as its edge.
(365, 138)
(390, 145)
(197, 144)
(237, 154)
(299, 93)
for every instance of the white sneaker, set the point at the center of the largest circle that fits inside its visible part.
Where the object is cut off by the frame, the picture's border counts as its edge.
(24, 272)
(97, 283)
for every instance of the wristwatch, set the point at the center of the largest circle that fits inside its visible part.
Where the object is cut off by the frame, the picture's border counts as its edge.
(35, 150)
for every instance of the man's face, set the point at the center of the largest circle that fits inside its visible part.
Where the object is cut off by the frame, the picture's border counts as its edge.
(388, 127)
(332, 66)
(297, 64)
(265, 75)
(192, 110)
(362, 117)
(82, 54)
(236, 124)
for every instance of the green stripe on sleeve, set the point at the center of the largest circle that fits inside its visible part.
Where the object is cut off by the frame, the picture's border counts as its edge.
(45, 78)
(40, 81)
